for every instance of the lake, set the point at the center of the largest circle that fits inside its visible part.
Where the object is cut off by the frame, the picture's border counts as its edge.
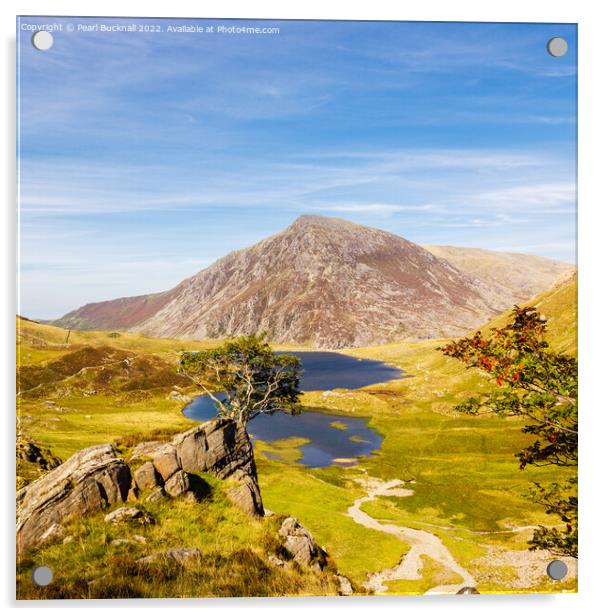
(340, 443)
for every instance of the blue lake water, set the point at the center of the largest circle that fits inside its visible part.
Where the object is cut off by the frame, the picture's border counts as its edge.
(322, 371)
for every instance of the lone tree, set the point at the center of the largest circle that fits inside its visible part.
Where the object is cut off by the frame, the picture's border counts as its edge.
(539, 385)
(252, 377)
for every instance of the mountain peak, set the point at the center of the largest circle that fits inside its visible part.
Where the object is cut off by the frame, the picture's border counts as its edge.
(316, 220)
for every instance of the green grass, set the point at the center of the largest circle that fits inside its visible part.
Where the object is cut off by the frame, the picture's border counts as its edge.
(286, 449)
(320, 499)
(559, 306)
(78, 422)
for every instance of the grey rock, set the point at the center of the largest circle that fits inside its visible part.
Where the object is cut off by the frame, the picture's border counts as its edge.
(118, 542)
(92, 479)
(177, 484)
(166, 461)
(132, 494)
(96, 478)
(126, 514)
(53, 533)
(300, 548)
(345, 587)
(277, 562)
(176, 395)
(147, 449)
(133, 540)
(156, 495)
(179, 555)
(146, 477)
(222, 448)
(31, 452)
(300, 544)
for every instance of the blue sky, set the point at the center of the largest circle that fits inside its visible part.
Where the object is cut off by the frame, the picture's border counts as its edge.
(146, 156)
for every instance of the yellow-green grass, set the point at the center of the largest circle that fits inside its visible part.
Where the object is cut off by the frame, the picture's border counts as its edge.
(38, 342)
(320, 499)
(234, 551)
(287, 449)
(76, 422)
(464, 476)
(78, 412)
(559, 306)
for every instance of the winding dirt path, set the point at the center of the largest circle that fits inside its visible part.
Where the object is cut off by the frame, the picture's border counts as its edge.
(421, 542)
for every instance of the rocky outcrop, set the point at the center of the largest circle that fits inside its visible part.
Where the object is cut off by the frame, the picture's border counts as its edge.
(301, 545)
(146, 477)
(345, 586)
(222, 448)
(29, 451)
(92, 479)
(219, 447)
(96, 478)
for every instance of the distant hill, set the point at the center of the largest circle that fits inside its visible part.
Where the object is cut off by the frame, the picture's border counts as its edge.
(331, 283)
(525, 275)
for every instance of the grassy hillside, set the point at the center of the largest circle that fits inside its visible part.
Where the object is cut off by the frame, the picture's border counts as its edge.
(559, 306)
(519, 275)
(467, 489)
(78, 389)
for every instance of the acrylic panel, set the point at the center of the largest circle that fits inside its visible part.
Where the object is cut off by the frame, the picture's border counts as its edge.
(297, 308)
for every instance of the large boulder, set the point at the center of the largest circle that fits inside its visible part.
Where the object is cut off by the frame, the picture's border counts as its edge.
(91, 479)
(222, 448)
(177, 484)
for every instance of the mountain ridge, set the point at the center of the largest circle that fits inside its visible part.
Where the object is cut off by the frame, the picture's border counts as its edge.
(326, 282)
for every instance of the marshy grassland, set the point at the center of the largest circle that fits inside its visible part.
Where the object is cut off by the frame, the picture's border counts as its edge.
(466, 486)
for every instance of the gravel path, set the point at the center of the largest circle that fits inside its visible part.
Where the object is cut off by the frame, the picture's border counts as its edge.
(421, 542)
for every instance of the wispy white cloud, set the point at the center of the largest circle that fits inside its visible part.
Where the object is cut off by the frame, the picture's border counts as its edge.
(548, 196)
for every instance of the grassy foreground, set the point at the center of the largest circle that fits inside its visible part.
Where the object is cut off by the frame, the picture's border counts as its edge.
(101, 386)
(99, 560)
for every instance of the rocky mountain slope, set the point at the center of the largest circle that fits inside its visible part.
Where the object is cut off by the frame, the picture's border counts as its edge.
(325, 282)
